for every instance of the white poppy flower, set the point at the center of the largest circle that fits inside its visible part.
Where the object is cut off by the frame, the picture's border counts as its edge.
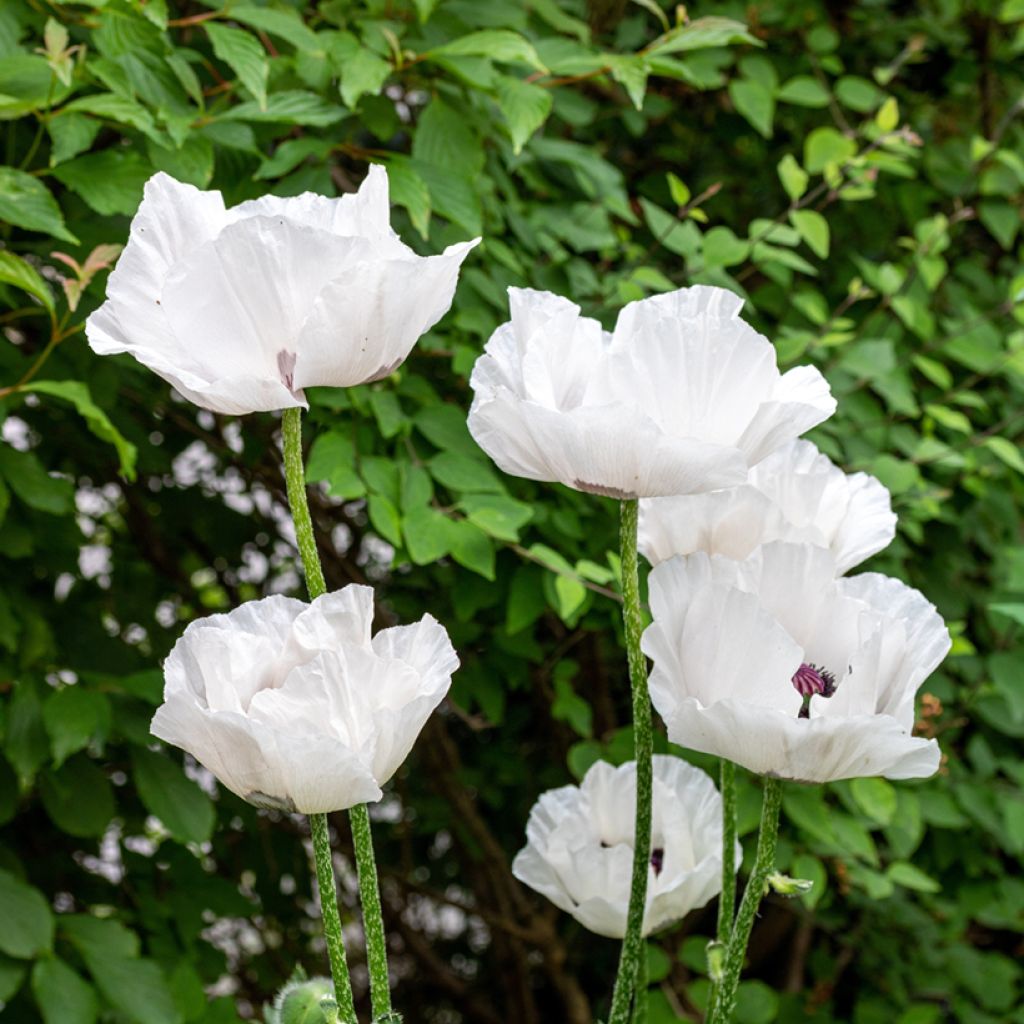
(241, 309)
(795, 494)
(777, 665)
(579, 850)
(295, 706)
(683, 397)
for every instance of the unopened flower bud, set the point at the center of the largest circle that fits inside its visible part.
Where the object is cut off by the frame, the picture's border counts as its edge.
(786, 886)
(716, 961)
(306, 1002)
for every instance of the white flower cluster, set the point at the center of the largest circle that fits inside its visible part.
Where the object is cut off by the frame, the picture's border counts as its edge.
(763, 653)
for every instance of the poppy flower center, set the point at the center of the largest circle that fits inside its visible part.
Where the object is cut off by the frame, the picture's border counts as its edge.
(810, 679)
(657, 860)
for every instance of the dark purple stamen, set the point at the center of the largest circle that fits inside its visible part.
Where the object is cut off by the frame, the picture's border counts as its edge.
(657, 860)
(809, 680)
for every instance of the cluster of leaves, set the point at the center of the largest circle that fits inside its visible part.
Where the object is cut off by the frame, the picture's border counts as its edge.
(858, 177)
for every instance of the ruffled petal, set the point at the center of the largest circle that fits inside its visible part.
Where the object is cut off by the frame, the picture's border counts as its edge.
(241, 299)
(711, 641)
(922, 640)
(365, 322)
(691, 364)
(822, 749)
(730, 522)
(801, 399)
(611, 450)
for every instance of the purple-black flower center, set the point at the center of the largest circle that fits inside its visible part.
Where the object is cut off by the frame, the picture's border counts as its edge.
(657, 860)
(810, 680)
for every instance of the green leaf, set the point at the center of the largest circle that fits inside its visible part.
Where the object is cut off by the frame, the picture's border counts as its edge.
(473, 549)
(876, 798)
(813, 230)
(110, 181)
(27, 920)
(723, 249)
(1007, 451)
(429, 535)
(888, 115)
(73, 716)
(185, 810)
(408, 189)
(332, 458)
(62, 996)
(444, 425)
(120, 109)
(137, 988)
(12, 974)
(461, 473)
(385, 519)
(826, 147)
(445, 139)
(70, 134)
(27, 203)
(16, 271)
(568, 706)
(704, 33)
(33, 485)
(499, 44)
(78, 798)
(911, 877)
(295, 106)
(244, 54)
(793, 176)
(803, 91)
(496, 514)
(363, 73)
(524, 106)
(77, 394)
(286, 23)
(755, 102)
(631, 72)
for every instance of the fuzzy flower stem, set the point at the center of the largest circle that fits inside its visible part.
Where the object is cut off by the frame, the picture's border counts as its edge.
(764, 863)
(329, 913)
(369, 891)
(643, 741)
(373, 919)
(727, 901)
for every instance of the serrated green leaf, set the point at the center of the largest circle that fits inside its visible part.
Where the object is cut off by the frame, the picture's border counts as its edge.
(703, 33)
(524, 106)
(110, 181)
(498, 44)
(364, 73)
(244, 54)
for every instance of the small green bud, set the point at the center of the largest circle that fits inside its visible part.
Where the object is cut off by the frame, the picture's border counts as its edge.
(786, 886)
(716, 961)
(302, 1002)
(329, 1008)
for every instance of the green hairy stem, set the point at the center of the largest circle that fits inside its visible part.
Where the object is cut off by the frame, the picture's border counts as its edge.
(643, 739)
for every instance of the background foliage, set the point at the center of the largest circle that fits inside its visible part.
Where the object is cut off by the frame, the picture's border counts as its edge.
(856, 169)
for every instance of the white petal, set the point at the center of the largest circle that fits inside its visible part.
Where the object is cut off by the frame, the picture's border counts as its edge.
(711, 641)
(730, 522)
(697, 373)
(241, 298)
(823, 749)
(365, 322)
(365, 213)
(338, 619)
(850, 514)
(925, 639)
(801, 399)
(611, 450)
